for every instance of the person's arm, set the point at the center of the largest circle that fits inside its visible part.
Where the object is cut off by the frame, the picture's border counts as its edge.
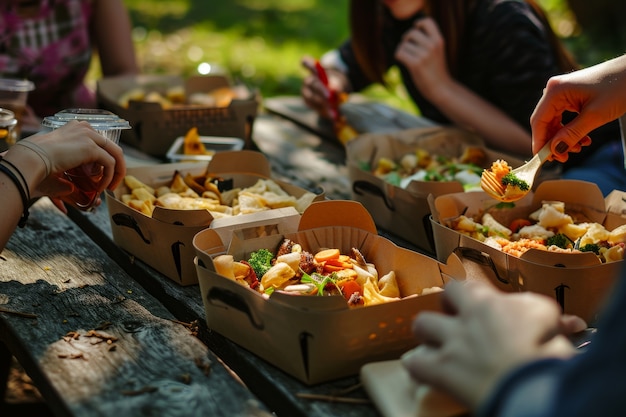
(40, 160)
(595, 93)
(111, 31)
(422, 52)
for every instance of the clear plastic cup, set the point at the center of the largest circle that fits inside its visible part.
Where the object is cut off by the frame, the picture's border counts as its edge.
(87, 177)
(104, 122)
(13, 95)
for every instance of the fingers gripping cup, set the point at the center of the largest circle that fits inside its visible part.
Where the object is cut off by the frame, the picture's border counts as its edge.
(86, 178)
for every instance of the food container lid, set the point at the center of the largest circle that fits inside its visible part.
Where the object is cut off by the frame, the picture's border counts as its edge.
(11, 84)
(100, 120)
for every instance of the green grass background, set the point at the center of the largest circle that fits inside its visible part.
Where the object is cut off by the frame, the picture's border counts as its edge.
(261, 42)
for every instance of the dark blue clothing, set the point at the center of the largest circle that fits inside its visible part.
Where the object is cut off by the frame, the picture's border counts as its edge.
(590, 384)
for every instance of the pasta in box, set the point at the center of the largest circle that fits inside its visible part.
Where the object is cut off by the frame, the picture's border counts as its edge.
(158, 210)
(393, 174)
(563, 240)
(297, 332)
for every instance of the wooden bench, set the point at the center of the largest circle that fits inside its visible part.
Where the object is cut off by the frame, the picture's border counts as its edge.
(94, 341)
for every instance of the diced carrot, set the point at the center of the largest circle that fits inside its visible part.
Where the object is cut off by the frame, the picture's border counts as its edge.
(339, 263)
(326, 254)
(349, 287)
(332, 268)
(518, 224)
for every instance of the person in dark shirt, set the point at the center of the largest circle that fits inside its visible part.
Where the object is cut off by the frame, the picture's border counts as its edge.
(506, 354)
(477, 64)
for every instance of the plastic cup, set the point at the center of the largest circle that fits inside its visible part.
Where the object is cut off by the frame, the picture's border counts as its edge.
(13, 95)
(7, 125)
(87, 177)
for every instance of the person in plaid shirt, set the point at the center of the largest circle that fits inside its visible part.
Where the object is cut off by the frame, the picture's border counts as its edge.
(51, 43)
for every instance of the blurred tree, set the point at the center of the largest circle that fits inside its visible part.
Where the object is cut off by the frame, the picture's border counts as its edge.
(601, 21)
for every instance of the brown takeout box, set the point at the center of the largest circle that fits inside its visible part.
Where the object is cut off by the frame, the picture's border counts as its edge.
(405, 212)
(155, 128)
(317, 339)
(165, 240)
(580, 282)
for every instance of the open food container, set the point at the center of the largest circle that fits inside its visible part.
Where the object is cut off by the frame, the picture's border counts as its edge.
(320, 338)
(212, 145)
(579, 281)
(403, 210)
(163, 239)
(161, 108)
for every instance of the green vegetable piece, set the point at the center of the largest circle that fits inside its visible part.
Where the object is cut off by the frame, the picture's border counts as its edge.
(591, 247)
(512, 179)
(261, 261)
(559, 240)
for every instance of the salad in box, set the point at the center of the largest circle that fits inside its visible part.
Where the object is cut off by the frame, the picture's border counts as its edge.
(560, 240)
(393, 174)
(294, 331)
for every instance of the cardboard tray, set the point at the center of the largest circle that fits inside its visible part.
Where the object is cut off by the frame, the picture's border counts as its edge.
(296, 333)
(213, 144)
(579, 282)
(405, 212)
(154, 128)
(164, 241)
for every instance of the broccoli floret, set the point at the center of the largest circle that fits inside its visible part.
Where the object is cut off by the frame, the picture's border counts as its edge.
(591, 247)
(260, 261)
(559, 240)
(512, 179)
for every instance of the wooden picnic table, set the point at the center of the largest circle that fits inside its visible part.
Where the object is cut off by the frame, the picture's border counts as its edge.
(81, 294)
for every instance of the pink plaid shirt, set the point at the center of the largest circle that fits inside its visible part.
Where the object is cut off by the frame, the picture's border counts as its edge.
(53, 49)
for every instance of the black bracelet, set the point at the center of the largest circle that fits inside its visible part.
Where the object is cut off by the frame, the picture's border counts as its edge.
(25, 198)
(16, 169)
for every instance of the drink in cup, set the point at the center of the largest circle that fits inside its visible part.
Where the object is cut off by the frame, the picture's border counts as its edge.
(86, 178)
(13, 95)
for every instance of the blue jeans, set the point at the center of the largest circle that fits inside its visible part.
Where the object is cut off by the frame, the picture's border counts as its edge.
(605, 167)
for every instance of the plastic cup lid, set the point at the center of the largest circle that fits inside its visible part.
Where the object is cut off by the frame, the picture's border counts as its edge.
(10, 84)
(99, 119)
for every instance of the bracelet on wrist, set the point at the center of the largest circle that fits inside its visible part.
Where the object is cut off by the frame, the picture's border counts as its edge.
(20, 183)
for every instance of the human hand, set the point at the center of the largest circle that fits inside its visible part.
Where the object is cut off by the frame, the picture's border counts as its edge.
(593, 93)
(321, 88)
(71, 146)
(422, 52)
(484, 335)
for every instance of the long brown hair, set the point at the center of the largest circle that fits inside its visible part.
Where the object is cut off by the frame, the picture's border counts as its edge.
(366, 25)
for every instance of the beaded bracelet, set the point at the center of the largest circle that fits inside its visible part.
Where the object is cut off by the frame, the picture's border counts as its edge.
(22, 188)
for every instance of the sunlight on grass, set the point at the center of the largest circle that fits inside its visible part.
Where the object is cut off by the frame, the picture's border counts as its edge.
(258, 42)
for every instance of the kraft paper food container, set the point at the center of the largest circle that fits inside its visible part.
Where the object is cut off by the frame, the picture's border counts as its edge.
(212, 144)
(579, 282)
(155, 127)
(318, 339)
(164, 241)
(405, 212)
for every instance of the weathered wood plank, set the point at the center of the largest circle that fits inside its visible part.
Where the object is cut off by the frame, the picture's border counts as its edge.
(97, 343)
